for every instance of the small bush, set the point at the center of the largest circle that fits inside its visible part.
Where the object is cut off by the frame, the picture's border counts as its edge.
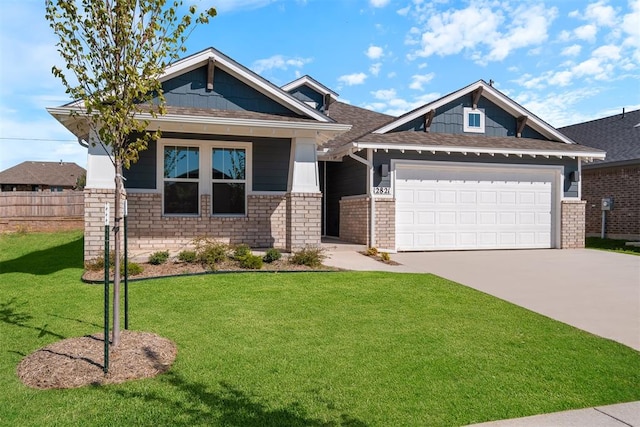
(188, 256)
(97, 264)
(253, 262)
(309, 256)
(211, 252)
(241, 252)
(159, 257)
(272, 255)
(372, 252)
(133, 267)
(384, 256)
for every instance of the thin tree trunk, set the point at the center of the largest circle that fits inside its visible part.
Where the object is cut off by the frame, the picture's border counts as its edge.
(116, 240)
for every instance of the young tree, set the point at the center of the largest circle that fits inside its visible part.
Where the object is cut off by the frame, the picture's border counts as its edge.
(115, 52)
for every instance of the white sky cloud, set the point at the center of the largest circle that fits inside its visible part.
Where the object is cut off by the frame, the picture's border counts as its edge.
(353, 79)
(586, 32)
(278, 62)
(379, 3)
(572, 50)
(418, 80)
(374, 69)
(384, 94)
(374, 52)
(601, 13)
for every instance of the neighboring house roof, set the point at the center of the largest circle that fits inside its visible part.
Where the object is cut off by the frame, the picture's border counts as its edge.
(487, 91)
(618, 135)
(60, 174)
(312, 83)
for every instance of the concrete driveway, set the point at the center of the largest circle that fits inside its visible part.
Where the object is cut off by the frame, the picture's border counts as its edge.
(596, 291)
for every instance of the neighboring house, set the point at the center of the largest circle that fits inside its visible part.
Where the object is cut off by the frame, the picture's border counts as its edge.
(617, 177)
(243, 160)
(41, 176)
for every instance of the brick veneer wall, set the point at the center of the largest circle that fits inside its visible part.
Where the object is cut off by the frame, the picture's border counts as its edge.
(266, 224)
(572, 224)
(354, 220)
(623, 185)
(385, 224)
(303, 220)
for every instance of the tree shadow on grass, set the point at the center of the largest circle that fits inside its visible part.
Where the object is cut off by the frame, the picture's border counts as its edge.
(46, 261)
(229, 406)
(10, 314)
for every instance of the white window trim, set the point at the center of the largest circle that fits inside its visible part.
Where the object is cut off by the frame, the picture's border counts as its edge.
(205, 181)
(160, 173)
(465, 123)
(248, 167)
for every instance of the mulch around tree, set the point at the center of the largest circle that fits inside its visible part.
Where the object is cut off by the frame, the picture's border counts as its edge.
(78, 362)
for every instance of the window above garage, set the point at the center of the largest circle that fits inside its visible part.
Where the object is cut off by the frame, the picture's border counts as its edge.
(473, 120)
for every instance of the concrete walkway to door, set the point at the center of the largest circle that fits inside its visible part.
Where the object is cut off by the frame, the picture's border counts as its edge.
(596, 291)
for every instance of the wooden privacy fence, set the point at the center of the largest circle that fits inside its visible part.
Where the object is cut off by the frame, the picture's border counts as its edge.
(41, 211)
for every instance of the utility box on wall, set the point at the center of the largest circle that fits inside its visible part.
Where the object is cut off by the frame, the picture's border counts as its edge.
(607, 204)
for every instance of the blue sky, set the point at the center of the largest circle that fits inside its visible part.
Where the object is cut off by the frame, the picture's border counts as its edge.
(567, 61)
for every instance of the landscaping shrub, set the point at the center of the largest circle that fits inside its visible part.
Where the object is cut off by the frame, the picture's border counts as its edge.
(372, 252)
(253, 262)
(97, 264)
(159, 257)
(133, 267)
(272, 255)
(188, 256)
(309, 256)
(384, 256)
(211, 252)
(241, 252)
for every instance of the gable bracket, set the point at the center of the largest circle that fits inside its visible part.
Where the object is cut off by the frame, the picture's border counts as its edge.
(522, 121)
(210, 70)
(428, 118)
(476, 97)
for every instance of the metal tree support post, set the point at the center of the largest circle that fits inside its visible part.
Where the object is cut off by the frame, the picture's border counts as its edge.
(106, 288)
(126, 270)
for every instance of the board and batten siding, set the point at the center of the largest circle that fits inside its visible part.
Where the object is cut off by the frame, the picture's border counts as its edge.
(189, 90)
(449, 119)
(306, 94)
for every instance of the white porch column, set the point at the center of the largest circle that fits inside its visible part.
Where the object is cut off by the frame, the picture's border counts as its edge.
(303, 167)
(100, 170)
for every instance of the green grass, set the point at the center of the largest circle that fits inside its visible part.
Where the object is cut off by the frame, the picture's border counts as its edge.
(303, 349)
(614, 245)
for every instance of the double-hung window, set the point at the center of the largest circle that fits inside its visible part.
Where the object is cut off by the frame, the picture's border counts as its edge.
(228, 181)
(181, 180)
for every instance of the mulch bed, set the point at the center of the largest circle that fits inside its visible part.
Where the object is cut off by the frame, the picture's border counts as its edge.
(77, 362)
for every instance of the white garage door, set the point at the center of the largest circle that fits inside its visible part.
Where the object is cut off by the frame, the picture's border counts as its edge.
(473, 208)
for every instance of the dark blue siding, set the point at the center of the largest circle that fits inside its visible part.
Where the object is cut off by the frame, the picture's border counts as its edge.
(142, 174)
(346, 178)
(271, 164)
(189, 90)
(449, 118)
(305, 94)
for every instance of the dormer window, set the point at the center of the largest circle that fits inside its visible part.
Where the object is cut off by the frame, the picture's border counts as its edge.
(473, 120)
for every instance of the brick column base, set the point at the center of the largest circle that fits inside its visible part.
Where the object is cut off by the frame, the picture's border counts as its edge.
(303, 220)
(572, 227)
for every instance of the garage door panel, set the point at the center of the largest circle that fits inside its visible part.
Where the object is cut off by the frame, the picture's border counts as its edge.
(450, 214)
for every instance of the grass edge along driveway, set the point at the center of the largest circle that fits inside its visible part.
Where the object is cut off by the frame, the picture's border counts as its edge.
(312, 349)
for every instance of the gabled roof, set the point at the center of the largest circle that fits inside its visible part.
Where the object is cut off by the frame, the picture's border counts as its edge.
(362, 122)
(618, 135)
(312, 83)
(245, 75)
(42, 173)
(493, 95)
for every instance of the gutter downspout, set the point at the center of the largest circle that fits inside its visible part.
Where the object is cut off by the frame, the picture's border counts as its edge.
(369, 163)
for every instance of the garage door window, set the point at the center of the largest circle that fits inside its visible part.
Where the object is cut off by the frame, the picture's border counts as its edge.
(473, 120)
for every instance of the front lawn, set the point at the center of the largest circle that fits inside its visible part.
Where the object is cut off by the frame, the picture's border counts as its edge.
(301, 349)
(615, 245)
